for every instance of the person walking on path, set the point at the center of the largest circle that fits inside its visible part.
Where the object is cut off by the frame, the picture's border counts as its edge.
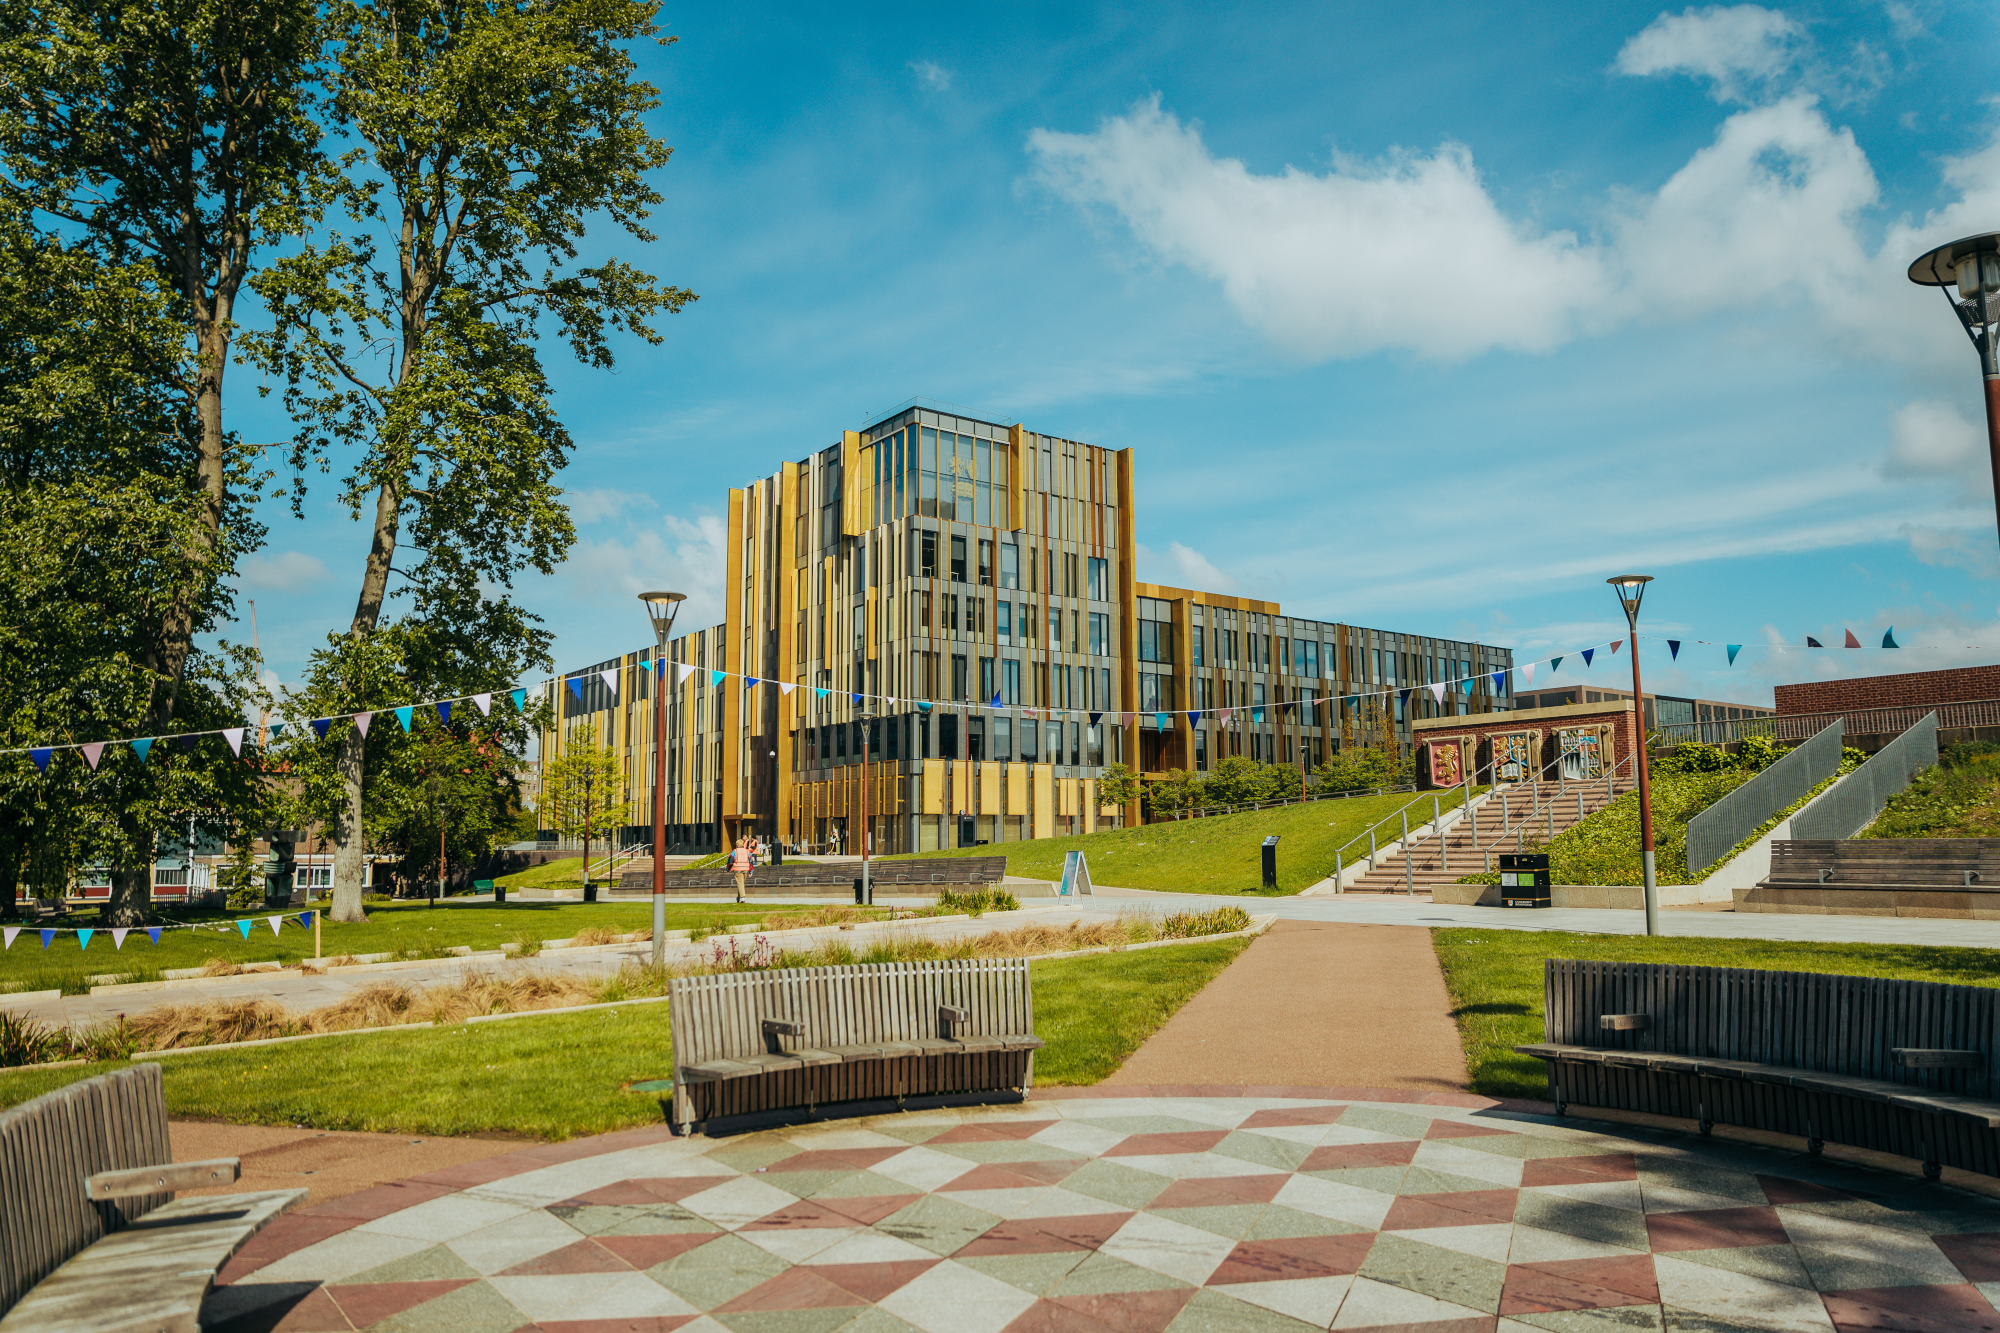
(740, 862)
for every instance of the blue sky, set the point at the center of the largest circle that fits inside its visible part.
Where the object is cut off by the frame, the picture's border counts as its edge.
(1429, 323)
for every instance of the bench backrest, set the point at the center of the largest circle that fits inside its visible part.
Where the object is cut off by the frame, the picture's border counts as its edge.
(940, 870)
(50, 1145)
(1823, 1022)
(1864, 863)
(844, 874)
(721, 1017)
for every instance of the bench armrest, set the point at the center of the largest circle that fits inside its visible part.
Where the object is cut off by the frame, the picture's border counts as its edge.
(783, 1027)
(165, 1179)
(1624, 1022)
(1912, 1057)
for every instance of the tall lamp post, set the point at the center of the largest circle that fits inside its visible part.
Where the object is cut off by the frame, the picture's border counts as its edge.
(1631, 589)
(867, 719)
(1973, 266)
(661, 608)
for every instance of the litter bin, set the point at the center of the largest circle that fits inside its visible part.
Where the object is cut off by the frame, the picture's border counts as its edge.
(1271, 862)
(499, 891)
(1524, 879)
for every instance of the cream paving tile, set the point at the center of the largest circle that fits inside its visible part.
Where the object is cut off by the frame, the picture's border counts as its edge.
(1312, 1300)
(1163, 1245)
(1328, 1198)
(1078, 1136)
(923, 1168)
(1339, 1134)
(633, 1296)
(736, 1202)
(547, 1297)
(1443, 1155)
(798, 1244)
(1221, 1114)
(1372, 1304)
(445, 1218)
(1624, 1194)
(1196, 1166)
(1741, 1300)
(1001, 1203)
(1672, 1199)
(504, 1244)
(341, 1256)
(1310, 1135)
(1874, 1245)
(1533, 1245)
(1059, 1202)
(1487, 1242)
(952, 1298)
(835, 1138)
(870, 1247)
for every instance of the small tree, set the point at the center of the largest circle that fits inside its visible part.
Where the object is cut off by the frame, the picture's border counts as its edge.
(1362, 769)
(1177, 790)
(583, 791)
(1117, 785)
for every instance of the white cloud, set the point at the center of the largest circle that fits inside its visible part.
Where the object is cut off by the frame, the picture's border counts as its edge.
(1729, 45)
(681, 555)
(284, 571)
(932, 75)
(600, 503)
(1937, 440)
(1408, 252)
(1182, 567)
(1956, 548)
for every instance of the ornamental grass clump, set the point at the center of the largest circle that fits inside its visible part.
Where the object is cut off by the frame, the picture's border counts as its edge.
(978, 902)
(1220, 921)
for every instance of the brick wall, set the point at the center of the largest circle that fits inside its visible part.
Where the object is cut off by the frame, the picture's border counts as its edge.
(1544, 722)
(1912, 690)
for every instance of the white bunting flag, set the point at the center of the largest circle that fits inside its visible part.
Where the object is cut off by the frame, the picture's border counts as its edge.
(485, 702)
(91, 753)
(275, 921)
(11, 932)
(785, 689)
(1528, 673)
(685, 669)
(118, 934)
(610, 679)
(361, 721)
(1437, 691)
(234, 735)
(890, 700)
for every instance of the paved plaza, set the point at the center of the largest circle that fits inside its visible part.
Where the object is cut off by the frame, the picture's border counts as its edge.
(1129, 1210)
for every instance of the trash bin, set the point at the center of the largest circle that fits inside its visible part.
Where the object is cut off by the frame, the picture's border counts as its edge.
(1271, 862)
(1524, 879)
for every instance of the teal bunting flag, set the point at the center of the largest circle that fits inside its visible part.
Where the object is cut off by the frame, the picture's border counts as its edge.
(48, 938)
(243, 924)
(403, 716)
(153, 934)
(1811, 642)
(277, 730)
(520, 698)
(1587, 654)
(444, 711)
(922, 707)
(1554, 664)
(83, 938)
(715, 677)
(1889, 638)
(1674, 649)
(143, 747)
(1470, 683)
(819, 693)
(1257, 714)
(41, 757)
(1160, 722)
(1734, 648)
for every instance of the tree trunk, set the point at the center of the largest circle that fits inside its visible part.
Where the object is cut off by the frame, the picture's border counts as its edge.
(131, 901)
(350, 864)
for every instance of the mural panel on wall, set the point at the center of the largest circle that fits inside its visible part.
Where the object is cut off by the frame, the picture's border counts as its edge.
(1581, 751)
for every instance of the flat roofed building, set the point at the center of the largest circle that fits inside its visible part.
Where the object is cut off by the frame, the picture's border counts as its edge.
(1662, 710)
(973, 585)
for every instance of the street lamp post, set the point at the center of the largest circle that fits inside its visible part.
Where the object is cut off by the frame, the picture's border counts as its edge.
(1631, 589)
(1973, 266)
(661, 608)
(867, 720)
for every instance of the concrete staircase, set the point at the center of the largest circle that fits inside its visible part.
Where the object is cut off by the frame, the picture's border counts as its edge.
(1533, 813)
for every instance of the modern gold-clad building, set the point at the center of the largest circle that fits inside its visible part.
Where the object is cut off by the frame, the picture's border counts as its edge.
(971, 585)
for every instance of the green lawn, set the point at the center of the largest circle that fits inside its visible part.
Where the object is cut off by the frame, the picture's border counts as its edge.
(1219, 854)
(563, 1074)
(389, 928)
(1495, 979)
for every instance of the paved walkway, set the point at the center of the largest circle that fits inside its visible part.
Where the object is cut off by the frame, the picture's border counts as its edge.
(1319, 1003)
(1132, 1210)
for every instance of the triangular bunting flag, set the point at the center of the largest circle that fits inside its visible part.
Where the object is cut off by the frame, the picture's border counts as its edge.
(996, 700)
(1811, 642)
(751, 682)
(1437, 691)
(403, 715)
(715, 677)
(484, 702)
(234, 735)
(1499, 681)
(9, 932)
(855, 699)
(1125, 719)
(277, 730)
(275, 921)
(83, 938)
(118, 934)
(142, 748)
(41, 757)
(888, 699)
(320, 724)
(1889, 638)
(1734, 648)
(1587, 654)
(305, 920)
(923, 706)
(1528, 673)
(610, 679)
(786, 687)
(575, 687)
(361, 721)
(188, 740)
(520, 698)
(1160, 722)
(1554, 663)
(1674, 649)
(1194, 716)
(444, 711)
(1226, 716)
(1852, 642)
(1616, 644)
(1095, 718)
(1402, 697)
(48, 938)
(819, 693)
(682, 671)
(153, 933)
(92, 753)
(243, 924)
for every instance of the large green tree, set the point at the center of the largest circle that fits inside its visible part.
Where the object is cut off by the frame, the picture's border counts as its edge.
(487, 135)
(172, 141)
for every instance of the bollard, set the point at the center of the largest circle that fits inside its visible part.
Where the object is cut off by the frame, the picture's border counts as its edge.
(1371, 851)
(1338, 887)
(1271, 862)
(1409, 886)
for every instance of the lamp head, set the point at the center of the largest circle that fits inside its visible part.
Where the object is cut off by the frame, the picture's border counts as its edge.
(661, 608)
(1631, 590)
(1970, 265)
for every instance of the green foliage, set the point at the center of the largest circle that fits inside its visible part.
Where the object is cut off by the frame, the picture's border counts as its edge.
(1757, 753)
(1696, 757)
(1969, 754)
(1094, 1012)
(583, 788)
(1364, 768)
(977, 902)
(1959, 798)
(1218, 921)
(1235, 780)
(1117, 785)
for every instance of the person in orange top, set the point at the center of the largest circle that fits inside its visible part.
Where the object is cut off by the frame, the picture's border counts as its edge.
(740, 862)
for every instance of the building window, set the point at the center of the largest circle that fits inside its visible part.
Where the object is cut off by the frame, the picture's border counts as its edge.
(985, 562)
(975, 738)
(1100, 634)
(1100, 579)
(1010, 565)
(1003, 738)
(1156, 630)
(1026, 624)
(1031, 736)
(987, 686)
(1201, 750)
(1003, 622)
(927, 554)
(958, 681)
(1010, 679)
(1308, 658)
(958, 559)
(1093, 746)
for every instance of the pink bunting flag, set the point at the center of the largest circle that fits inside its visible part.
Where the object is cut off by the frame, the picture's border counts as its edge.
(92, 753)
(1125, 719)
(361, 721)
(1616, 644)
(1852, 642)
(485, 702)
(1224, 716)
(1528, 673)
(234, 735)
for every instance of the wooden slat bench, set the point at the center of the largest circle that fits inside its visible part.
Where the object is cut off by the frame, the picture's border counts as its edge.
(1903, 1067)
(809, 1037)
(834, 878)
(1954, 877)
(91, 1237)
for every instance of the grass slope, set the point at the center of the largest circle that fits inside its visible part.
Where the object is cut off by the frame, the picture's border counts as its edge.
(558, 1075)
(1218, 854)
(1495, 979)
(1959, 799)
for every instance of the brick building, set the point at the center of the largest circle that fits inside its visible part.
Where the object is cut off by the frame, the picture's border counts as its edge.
(1914, 689)
(1572, 742)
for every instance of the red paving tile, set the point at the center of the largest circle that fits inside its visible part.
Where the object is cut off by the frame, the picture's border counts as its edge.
(1163, 1145)
(871, 1282)
(804, 1213)
(645, 1251)
(1021, 1238)
(1046, 1316)
(585, 1256)
(310, 1312)
(992, 1131)
(1579, 1170)
(379, 1201)
(1975, 1254)
(1089, 1230)
(644, 1193)
(1453, 1129)
(1958, 1308)
(658, 1323)
(1461, 1208)
(485, 1171)
(835, 1159)
(1344, 1156)
(1781, 1189)
(1283, 1117)
(868, 1209)
(1221, 1191)
(1129, 1311)
(1014, 1176)
(1715, 1229)
(1579, 1284)
(793, 1289)
(368, 1303)
(1296, 1257)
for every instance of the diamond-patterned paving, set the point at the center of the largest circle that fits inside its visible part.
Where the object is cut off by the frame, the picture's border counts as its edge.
(1134, 1215)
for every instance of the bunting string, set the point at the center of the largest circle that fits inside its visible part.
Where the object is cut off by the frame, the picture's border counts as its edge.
(84, 934)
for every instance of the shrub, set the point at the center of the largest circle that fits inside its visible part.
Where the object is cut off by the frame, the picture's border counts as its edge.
(23, 1041)
(1970, 754)
(1695, 757)
(1186, 925)
(1758, 753)
(977, 902)
(1363, 769)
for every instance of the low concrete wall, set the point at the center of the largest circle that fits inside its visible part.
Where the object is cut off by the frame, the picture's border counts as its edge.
(1944, 903)
(1630, 897)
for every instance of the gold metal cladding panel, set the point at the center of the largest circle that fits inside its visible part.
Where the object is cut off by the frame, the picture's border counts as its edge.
(1017, 789)
(852, 521)
(1045, 814)
(989, 788)
(934, 787)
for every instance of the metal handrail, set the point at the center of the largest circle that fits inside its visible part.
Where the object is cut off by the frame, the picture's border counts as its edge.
(1804, 726)
(1209, 811)
(613, 860)
(1402, 814)
(1518, 830)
